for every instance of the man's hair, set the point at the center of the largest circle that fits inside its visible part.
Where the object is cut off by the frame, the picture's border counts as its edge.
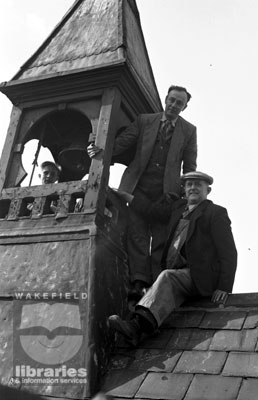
(180, 89)
(52, 164)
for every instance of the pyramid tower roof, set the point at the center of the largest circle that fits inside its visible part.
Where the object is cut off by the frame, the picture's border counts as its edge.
(94, 34)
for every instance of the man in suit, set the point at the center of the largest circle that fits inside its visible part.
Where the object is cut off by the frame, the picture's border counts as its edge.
(199, 259)
(165, 143)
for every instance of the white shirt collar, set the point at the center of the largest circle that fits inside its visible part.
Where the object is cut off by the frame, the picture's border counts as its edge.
(193, 206)
(164, 118)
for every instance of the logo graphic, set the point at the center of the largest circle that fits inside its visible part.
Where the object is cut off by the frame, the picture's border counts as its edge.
(48, 340)
(43, 335)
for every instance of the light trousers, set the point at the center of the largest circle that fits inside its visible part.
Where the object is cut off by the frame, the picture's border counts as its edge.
(169, 291)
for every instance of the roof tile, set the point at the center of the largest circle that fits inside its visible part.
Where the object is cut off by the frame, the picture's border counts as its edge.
(208, 362)
(249, 339)
(223, 320)
(211, 387)
(123, 382)
(189, 339)
(234, 340)
(158, 340)
(251, 320)
(241, 364)
(184, 319)
(164, 386)
(249, 389)
(155, 360)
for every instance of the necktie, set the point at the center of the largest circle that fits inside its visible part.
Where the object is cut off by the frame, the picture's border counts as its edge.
(167, 129)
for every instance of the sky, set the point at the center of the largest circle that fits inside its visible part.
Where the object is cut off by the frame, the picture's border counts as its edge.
(208, 46)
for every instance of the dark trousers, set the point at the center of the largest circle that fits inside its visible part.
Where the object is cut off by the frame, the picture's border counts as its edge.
(145, 243)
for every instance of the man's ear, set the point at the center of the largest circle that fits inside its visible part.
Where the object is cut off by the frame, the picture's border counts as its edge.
(185, 107)
(209, 189)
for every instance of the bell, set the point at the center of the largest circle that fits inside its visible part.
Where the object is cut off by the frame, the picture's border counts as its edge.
(75, 158)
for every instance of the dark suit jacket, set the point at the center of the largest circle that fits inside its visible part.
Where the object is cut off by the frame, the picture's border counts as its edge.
(210, 249)
(143, 132)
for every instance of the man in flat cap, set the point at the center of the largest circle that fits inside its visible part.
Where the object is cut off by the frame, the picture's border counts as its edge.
(199, 259)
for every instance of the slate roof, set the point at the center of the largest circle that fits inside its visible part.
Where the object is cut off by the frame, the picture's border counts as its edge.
(201, 353)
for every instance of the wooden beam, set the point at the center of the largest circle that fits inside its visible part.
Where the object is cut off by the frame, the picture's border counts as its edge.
(9, 143)
(99, 171)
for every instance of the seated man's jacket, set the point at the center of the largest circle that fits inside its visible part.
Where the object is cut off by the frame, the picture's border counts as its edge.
(209, 248)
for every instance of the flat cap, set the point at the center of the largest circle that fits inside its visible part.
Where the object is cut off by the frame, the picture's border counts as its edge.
(197, 175)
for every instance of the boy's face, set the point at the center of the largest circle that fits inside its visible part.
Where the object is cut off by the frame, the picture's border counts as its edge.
(49, 174)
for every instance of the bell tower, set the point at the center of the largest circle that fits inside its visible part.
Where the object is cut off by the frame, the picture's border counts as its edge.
(88, 80)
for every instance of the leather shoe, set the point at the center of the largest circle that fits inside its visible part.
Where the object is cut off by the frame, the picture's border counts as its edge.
(129, 329)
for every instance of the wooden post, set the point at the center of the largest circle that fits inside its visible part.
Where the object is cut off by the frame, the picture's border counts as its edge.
(99, 171)
(9, 143)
